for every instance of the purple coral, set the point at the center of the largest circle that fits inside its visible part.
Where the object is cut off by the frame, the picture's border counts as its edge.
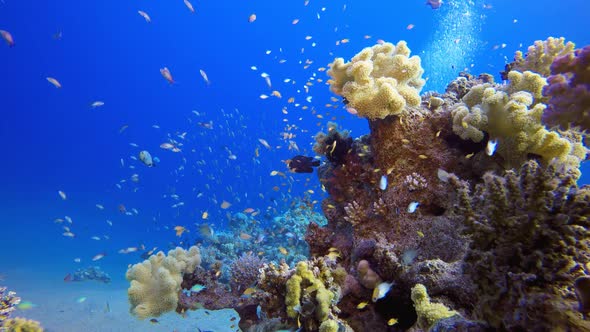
(245, 271)
(569, 90)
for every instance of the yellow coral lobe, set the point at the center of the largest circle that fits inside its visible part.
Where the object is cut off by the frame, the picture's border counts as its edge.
(379, 81)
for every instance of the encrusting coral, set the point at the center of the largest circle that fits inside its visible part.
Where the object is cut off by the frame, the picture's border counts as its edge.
(155, 283)
(428, 313)
(530, 242)
(379, 81)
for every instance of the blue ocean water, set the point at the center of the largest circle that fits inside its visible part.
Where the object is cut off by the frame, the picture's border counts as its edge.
(54, 140)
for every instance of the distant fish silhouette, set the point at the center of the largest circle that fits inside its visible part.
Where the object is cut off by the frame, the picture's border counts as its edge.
(302, 164)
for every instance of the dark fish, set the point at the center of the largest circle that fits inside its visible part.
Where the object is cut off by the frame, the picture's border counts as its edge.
(154, 321)
(302, 164)
(68, 277)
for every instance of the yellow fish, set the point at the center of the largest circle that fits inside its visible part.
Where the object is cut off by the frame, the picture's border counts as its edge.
(392, 321)
(249, 291)
(362, 305)
(283, 251)
(205, 215)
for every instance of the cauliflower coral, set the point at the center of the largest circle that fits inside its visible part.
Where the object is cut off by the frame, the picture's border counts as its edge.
(379, 81)
(155, 283)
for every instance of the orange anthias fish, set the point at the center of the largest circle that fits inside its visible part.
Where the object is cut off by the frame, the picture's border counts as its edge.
(167, 75)
(179, 230)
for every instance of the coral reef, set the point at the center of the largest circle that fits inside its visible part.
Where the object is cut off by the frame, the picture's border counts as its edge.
(512, 115)
(379, 81)
(428, 313)
(569, 90)
(530, 242)
(21, 325)
(245, 271)
(307, 294)
(8, 303)
(499, 237)
(155, 283)
(541, 55)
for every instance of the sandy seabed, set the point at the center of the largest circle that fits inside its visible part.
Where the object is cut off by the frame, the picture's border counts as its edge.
(91, 306)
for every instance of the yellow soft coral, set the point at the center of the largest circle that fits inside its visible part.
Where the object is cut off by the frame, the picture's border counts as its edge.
(304, 276)
(511, 114)
(18, 324)
(539, 56)
(379, 81)
(155, 283)
(428, 313)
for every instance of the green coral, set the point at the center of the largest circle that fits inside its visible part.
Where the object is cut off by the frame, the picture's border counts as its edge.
(21, 325)
(329, 325)
(428, 313)
(379, 81)
(540, 55)
(512, 114)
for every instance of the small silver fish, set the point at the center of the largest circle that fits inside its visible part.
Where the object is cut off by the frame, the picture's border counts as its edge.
(383, 182)
(491, 147)
(412, 207)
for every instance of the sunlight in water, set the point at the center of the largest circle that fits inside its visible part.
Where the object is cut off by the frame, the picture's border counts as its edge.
(453, 44)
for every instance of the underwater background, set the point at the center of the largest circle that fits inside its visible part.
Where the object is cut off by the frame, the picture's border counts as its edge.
(83, 138)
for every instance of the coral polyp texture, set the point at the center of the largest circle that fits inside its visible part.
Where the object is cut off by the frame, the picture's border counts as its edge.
(569, 90)
(530, 242)
(379, 81)
(155, 283)
(541, 55)
(466, 194)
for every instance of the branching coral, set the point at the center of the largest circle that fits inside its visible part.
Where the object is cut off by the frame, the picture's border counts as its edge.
(335, 145)
(245, 271)
(379, 81)
(530, 241)
(569, 90)
(155, 283)
(8, 302)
